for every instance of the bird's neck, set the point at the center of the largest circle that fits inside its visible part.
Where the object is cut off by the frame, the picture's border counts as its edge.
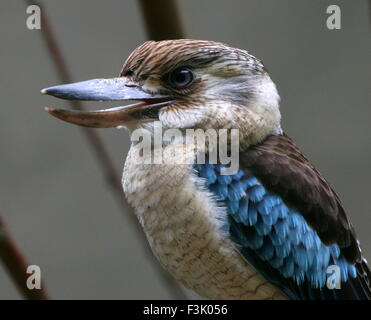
(260, 117)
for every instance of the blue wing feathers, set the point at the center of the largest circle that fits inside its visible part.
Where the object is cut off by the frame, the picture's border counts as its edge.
(273, 237)
(256, 193)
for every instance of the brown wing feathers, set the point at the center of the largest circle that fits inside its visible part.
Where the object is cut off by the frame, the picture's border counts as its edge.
(283, 169)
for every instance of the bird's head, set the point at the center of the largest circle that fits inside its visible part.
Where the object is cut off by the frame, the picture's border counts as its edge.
(184, 84)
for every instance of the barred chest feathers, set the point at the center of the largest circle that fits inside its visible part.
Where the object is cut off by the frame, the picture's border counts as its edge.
(184, 226)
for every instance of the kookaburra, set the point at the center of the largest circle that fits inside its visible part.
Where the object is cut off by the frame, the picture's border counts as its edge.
(274, 229)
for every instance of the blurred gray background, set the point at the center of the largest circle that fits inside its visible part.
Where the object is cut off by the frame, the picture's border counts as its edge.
(52, 193)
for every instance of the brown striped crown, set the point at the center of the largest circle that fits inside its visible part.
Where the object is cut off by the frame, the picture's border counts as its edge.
(159, 57)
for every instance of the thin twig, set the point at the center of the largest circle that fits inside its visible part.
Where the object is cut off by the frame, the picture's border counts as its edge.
(108, 168)
(162, 19)
(16, 265)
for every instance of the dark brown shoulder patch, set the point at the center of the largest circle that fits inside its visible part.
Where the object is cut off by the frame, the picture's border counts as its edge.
(284, 170)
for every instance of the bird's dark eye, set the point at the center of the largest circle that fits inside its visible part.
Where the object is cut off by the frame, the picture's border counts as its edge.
(181, 78)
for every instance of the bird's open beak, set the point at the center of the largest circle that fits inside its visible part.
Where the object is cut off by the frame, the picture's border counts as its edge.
(107, 90)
